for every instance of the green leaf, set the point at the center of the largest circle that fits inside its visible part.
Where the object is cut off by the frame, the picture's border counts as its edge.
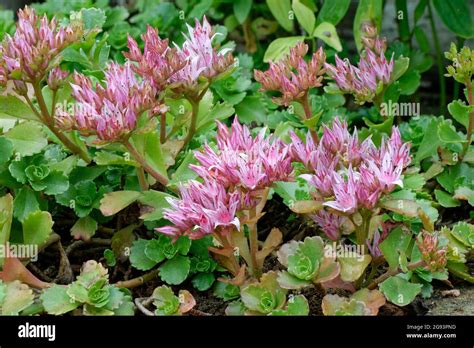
(353, 266)
(430, 142)
(447, 133)
(18, 296)
(84, 228)
(422, 40)
(397, 241)
(446, 200)
(203, 281)
(113, 202)
(37, 227)
(414, 182)
(460, 112)
(242, 9)
(333, 11)
(27, 138)
(226, 291)
(93, 18)
(400, 66)
(327, 33)
(138, 257)
(110, 258)
(409, 82)
(249, 110)
(56, 183)
(25, 203)
(148, 145)
(154, 251)
(105, 158)
(279, 47)
(56, 301)
(367, 11)
(156, 200)
(456, 15)
(288, 281)
(297, 305)
(400, 291)
(280, 9)
(304, 15)
(6, 216)
(341, 306)
(6, 150)
(401, 206)
(13, 107)
(165, 301)
(176, 270)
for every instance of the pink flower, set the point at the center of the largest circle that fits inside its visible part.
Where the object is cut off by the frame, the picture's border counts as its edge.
(331, 224)
(203, 209)
(432, 253)
(56, 78)
(292, 76)
(373, 69)
(378, 238)
(201, 58)
(110, 112)
(347, 173)
(344, 192)
(158, 62)
(244, 161)
(36, 43)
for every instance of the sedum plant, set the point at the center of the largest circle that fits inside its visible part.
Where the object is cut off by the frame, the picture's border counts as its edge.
(166, 303)
(236, 178)
(90, 294)
(307, 262)
(266, 297)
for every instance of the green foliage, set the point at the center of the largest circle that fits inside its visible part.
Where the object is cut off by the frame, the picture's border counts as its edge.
(91, 293)
(267, 298)
(178, 260)
(306, 262)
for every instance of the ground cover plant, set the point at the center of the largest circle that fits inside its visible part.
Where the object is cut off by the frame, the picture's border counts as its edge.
(234, 158)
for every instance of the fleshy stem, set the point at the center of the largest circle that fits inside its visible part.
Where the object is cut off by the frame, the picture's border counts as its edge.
(389, 273)
(135, 282)
(471, 121)
(48, 121)
(254, 213)
(439, 58)
(308, 113)
(195, 101)
(143, 163)
(162, 128)
(253, 241)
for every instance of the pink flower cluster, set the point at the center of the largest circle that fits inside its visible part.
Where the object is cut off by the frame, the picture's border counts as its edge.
(180, 67)
(234, 176)
(242, 161)
(292, 76)
(204, 208)
(431, 252)
(158, 62)
(112, 111)
(201, 57)
(27, 56)
(372, 72)
(347, 174)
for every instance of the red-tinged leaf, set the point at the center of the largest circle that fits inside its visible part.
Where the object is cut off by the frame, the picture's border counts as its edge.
(13, 269)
